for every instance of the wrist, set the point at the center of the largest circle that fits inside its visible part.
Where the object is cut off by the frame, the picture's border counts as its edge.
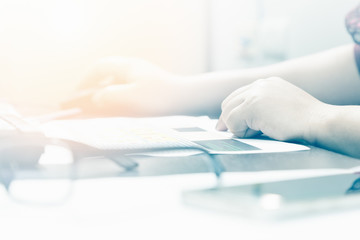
(202, 95)
(320, 123)
(185, 97)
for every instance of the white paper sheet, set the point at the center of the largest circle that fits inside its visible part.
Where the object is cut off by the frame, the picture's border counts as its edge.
(147, 133)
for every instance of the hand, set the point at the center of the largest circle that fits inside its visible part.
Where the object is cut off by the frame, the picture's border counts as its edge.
(124, 86)
(271, 106)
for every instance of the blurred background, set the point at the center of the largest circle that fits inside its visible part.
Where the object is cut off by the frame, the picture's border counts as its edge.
(47, 46)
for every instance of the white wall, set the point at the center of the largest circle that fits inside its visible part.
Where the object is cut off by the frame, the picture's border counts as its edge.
(249, 33)
(46, 46)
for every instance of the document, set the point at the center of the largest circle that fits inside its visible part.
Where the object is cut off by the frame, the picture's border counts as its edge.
(183, 132)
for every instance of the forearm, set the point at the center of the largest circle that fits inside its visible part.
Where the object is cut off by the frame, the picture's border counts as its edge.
(330, 76)
(337, 128)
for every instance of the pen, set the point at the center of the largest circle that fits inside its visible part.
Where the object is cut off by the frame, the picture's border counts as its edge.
(123, 161)
(6, 173)
(83, 98)
(75, 105)
(58, 115)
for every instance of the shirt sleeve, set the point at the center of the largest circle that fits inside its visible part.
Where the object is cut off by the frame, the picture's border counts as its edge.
(357, 56)
(352, 22)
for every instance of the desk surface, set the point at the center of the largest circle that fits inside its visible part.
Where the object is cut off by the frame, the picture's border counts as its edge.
(148, 207)
(315, 158)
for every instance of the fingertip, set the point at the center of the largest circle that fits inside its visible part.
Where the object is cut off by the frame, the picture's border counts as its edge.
(220, 125)
(112, 96)
(98, 98)
(81, 99)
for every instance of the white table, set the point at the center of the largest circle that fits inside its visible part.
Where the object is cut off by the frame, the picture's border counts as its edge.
(152, 208)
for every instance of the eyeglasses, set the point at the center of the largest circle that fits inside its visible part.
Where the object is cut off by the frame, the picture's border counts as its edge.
(33, 172)
(35, 169)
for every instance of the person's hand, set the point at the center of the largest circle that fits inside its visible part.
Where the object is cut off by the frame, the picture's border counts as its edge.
(124, 86)
(271, 106)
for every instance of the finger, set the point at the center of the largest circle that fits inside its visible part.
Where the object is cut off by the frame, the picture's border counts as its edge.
(237, 120)
(110, 95)
(227, 107)
(93, 78)
(237, 116)
(117, 99)
(220, 125)
(82, 99)
(235, 94)
(109, 71)
(231, 105)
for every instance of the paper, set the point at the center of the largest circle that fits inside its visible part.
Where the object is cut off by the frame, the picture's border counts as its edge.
(167, 132)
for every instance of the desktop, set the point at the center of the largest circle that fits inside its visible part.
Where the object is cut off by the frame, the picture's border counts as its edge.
(99, 194)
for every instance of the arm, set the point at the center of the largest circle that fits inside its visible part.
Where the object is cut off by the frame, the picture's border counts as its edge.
(142, 89)
(283, 111)
(337, 130)
(303, 112)
(330, 76)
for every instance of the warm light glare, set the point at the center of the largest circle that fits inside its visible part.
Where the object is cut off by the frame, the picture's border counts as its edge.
(67, 19)
(48, 47)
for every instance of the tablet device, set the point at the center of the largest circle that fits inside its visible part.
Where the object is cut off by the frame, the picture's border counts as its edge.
(279, 199)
